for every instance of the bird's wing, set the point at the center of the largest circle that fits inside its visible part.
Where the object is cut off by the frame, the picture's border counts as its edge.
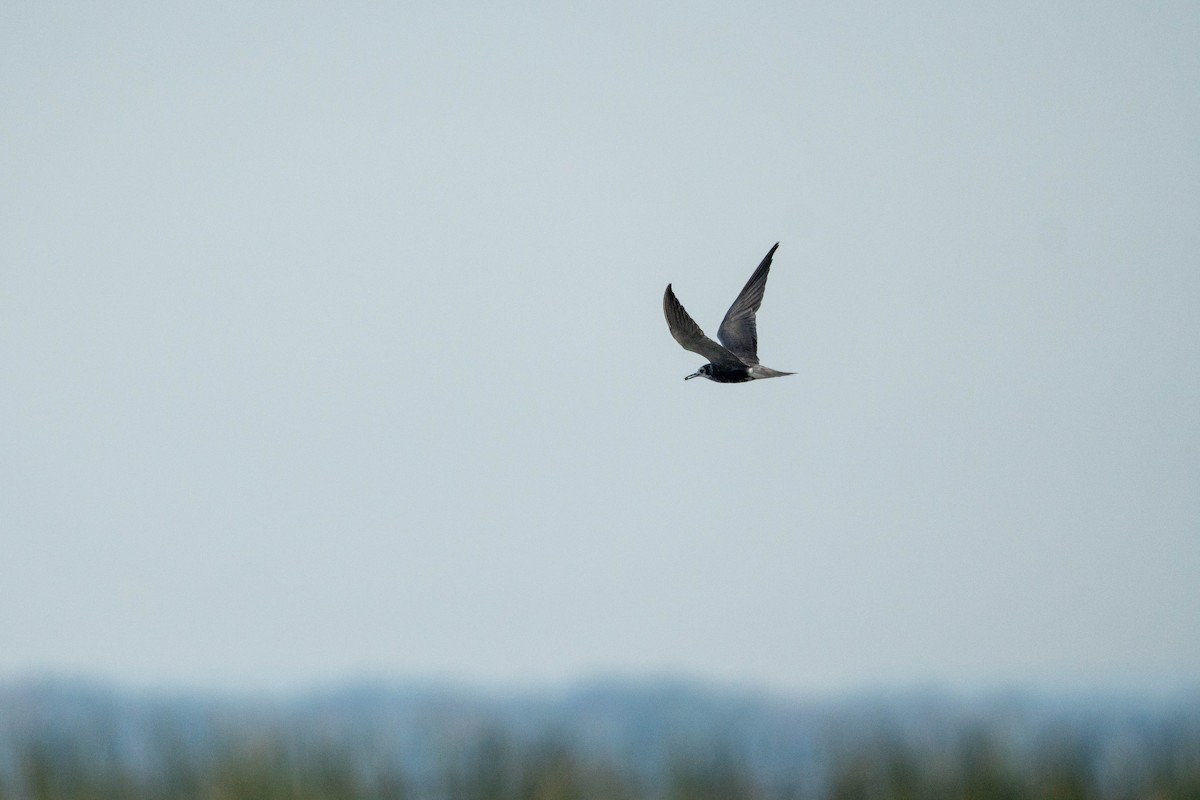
(688, 333)
(738, 331)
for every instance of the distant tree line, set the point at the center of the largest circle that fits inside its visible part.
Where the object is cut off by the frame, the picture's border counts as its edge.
(64, 746)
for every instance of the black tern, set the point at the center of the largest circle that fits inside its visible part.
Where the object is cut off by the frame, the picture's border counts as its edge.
(737, 361)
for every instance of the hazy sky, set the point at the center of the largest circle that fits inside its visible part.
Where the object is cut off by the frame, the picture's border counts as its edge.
(331, 342)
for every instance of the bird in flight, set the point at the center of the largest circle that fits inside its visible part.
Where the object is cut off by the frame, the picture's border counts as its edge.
(735, 360)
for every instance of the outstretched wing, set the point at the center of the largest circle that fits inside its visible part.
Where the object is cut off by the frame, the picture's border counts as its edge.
(738, 331)
(690, 337)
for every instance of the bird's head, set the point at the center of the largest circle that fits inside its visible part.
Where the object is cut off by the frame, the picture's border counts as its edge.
(705, 371)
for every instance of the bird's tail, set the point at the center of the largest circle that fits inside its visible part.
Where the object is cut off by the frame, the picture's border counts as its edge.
(759, 371)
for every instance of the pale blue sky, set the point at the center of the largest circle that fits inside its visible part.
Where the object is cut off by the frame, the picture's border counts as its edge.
(331, 342)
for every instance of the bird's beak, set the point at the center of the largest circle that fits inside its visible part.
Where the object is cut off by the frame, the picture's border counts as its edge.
(693, 375)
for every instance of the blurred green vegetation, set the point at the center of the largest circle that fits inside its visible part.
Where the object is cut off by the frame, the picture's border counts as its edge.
(496, 768)
(108, 749)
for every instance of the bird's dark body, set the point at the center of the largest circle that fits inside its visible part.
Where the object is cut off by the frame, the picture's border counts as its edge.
(721, 374)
